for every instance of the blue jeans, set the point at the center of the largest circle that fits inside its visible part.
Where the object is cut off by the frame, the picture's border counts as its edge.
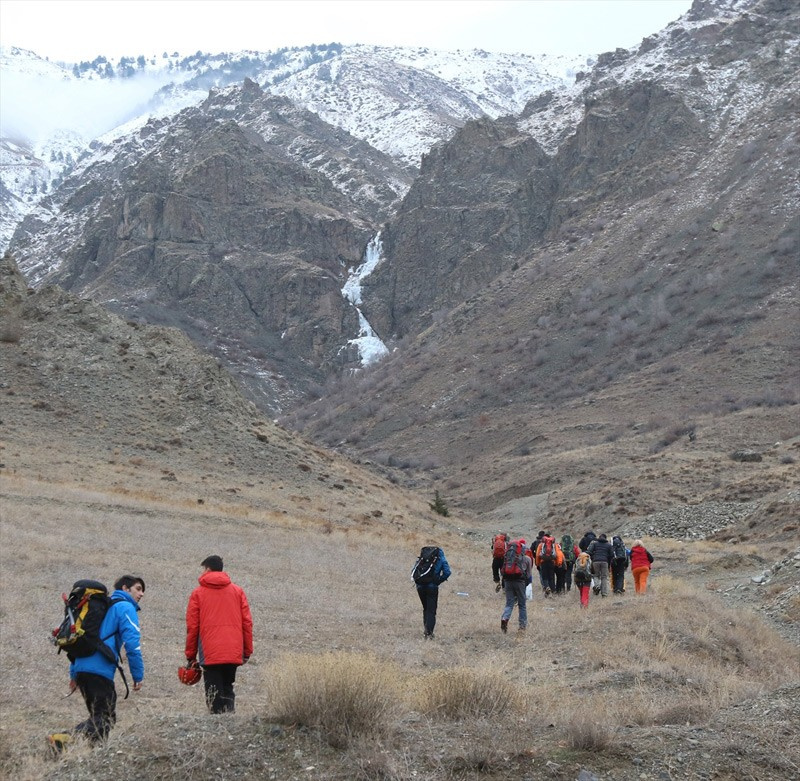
(515, 594)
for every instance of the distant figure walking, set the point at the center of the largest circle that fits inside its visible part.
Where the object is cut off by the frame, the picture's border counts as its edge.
(582, 573)
(602, 555)
(219, 633)
(641, 561)
(499, 545)
(619, 563)
(430, 571)
(549, 557)
(517, 569)
(571, 551)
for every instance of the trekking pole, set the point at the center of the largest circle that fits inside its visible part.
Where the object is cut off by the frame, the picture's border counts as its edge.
(71, 692)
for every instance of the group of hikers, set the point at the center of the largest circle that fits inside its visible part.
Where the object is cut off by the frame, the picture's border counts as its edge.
(219, 625)
(591, 563)
(96, 627)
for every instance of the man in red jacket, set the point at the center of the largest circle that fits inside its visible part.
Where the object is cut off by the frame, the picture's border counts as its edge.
(219, 632)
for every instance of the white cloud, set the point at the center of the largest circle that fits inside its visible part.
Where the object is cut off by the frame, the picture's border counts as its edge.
(89, 108)
(75, 30)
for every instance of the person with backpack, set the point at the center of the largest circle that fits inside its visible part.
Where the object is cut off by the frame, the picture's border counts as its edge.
(582, 573)
(602, 555)
(549, 557)
(619, 563)
(429, 572)
(93, 674)
(641, 561)
(499, 545)
(564, 574)
(517, 574)
(219, 633)
(587, 540)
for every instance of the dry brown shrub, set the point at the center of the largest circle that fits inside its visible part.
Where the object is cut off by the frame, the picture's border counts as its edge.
(463, 692)
(342, 694)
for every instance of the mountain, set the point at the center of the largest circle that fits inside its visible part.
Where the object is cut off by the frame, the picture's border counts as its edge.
(584, 304)
(236, 220)
(589, 333)
(400, 100)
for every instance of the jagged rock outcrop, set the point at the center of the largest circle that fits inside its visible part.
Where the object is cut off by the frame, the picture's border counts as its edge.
(213, 223)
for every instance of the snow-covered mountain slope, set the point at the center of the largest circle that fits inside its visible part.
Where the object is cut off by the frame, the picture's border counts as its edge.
(714, 80)
(401, 101)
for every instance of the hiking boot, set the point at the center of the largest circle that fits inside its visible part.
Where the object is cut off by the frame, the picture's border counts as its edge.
(596, 590)
(498, 587)
(58, 741)
(547, 591)
(504, 625)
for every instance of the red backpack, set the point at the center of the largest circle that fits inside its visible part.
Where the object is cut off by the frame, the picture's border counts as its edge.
(548, 552)
(514, 560)
(499, 545)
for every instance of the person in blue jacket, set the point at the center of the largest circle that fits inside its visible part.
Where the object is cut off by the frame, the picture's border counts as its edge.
(428, 582)
(94, 675)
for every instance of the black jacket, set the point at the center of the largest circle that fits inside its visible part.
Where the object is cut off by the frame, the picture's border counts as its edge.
(601, 550)
(587, 540)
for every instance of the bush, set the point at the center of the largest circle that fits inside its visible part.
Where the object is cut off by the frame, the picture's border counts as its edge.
(462, 692)
(344, 695)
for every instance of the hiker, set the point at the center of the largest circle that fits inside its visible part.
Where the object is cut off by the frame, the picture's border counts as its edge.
(619, 563)
(587, 540)
(93, 675)
(532, 550)
(219, 633)
(582, 573)
(517, 571)
(499, 545)
(429, 572)
(641, 560)
(602, 554)
(564, 573)
(549, 557)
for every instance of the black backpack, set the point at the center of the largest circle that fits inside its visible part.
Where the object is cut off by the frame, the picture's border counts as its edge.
(424, 571)
(618, 550)
(78, 634)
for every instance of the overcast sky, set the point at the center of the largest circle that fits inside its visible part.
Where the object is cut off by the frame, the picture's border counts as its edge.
(76, 30)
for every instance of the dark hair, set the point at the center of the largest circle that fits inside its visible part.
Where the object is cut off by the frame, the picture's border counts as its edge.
(214, 563)
(128, 581)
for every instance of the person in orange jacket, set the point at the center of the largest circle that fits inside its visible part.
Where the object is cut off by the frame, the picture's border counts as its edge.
(549, 557)
(219, 633)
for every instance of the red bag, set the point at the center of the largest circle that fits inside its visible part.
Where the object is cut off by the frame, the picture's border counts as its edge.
(499, 545)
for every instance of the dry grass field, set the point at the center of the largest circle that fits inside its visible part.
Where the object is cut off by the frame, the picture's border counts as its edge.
(123, 450)
(676, 684)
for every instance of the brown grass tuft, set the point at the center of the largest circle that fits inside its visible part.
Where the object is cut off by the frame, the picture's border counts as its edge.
(342, 694)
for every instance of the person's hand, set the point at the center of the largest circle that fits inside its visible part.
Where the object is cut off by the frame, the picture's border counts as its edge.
(73, 684)
(244, 659)
(137, 686)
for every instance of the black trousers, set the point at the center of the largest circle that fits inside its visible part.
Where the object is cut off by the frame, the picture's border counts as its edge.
(100, 697)
(547, 571)
(218, 680)
(430, 600)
